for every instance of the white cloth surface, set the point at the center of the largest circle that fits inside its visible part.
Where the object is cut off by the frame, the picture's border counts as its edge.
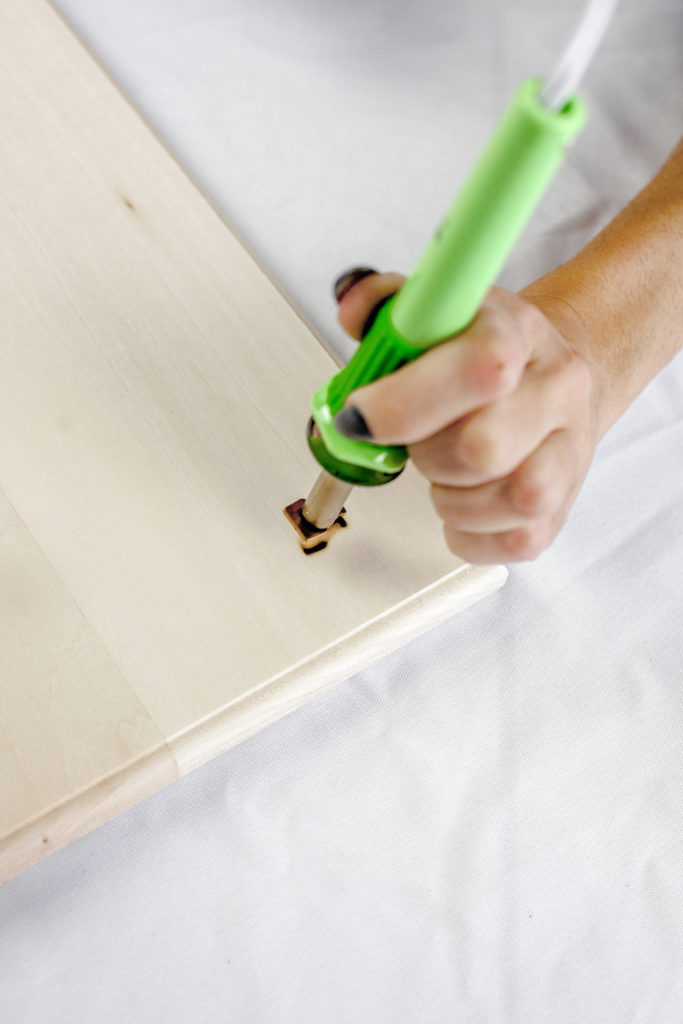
(485, 826)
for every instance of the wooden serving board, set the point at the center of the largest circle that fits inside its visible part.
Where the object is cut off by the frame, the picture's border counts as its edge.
(155, 607)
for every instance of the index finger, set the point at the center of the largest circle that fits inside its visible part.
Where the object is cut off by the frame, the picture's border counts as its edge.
(454, 378)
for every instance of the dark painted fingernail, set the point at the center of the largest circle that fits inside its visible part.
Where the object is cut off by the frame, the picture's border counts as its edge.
(350, 422)
(346, 281)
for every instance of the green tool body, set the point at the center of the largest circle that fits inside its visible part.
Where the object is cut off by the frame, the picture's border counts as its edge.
(461, 262)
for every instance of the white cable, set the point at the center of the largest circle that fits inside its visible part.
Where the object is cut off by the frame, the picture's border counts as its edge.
(579, 53)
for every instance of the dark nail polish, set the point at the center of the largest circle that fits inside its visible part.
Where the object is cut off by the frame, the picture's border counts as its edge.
(350, 422)
(346, 281)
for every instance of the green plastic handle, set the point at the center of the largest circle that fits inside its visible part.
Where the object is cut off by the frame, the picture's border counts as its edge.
(454, 273)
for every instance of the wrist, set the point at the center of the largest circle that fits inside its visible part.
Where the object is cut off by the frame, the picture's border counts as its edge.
(561, 302)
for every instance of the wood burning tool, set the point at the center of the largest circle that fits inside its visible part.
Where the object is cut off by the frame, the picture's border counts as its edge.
(442, 295)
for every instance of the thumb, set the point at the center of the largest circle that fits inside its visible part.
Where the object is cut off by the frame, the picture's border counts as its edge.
(360, 293)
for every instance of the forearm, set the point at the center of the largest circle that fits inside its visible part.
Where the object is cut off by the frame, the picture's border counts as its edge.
(619, 301)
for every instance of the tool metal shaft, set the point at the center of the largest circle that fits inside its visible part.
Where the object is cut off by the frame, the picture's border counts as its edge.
(326, 500)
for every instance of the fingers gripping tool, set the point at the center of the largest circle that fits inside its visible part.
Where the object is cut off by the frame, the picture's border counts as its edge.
(440, 298)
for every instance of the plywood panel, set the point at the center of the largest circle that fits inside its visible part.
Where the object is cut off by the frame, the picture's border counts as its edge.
(154, 386)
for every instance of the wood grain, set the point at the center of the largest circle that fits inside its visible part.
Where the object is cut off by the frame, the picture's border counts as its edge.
(154, 384)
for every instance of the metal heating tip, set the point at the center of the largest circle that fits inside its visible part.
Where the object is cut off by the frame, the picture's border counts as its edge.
(326, 501)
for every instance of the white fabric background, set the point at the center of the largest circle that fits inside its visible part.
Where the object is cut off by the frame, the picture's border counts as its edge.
(486, 826)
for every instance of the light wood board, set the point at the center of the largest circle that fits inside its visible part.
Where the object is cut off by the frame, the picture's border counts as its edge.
(155, 607)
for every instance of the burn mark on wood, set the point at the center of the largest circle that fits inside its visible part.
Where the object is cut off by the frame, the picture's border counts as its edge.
(311, 537)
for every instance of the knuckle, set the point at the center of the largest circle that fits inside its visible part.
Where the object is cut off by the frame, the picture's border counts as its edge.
(493, 368)
(480, 451)
(531, 319)
(524, 544)
(530, 495)
(566, 362)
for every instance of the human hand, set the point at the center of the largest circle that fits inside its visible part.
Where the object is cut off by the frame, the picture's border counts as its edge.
(500, 420)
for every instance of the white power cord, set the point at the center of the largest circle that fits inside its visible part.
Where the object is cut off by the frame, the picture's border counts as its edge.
(562, 85)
